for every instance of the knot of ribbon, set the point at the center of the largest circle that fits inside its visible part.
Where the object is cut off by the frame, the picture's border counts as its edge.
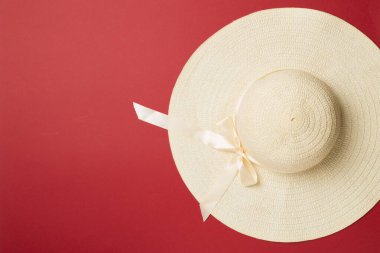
(226, 140)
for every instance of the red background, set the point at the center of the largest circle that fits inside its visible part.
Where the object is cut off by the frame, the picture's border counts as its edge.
(77, 170)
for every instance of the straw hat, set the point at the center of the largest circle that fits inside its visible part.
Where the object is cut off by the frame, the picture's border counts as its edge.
(302, 91)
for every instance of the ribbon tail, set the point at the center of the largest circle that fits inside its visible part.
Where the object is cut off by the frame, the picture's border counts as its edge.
(216, 191)
(151, 116)
(248, 174)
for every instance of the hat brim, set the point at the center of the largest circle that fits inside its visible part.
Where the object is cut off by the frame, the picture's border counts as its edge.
(285, 207)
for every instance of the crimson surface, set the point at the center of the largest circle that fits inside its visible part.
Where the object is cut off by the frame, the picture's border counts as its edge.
(78, 171)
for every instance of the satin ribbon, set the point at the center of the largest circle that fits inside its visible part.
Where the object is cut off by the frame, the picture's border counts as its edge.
(227, 140)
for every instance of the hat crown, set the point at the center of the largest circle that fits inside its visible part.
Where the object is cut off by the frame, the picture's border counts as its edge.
(288, 121)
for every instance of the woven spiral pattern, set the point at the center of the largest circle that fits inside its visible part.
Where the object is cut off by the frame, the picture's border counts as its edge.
(218, 77)
(288, 121)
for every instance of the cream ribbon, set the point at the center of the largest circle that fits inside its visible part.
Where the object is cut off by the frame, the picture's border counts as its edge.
(227, 140)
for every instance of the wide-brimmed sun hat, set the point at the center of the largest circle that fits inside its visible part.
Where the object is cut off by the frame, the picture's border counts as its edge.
(274, 124)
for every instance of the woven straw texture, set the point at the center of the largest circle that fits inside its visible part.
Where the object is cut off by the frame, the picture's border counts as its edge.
(305, 89)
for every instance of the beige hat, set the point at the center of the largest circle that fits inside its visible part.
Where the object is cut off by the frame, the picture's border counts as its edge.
(299, 92)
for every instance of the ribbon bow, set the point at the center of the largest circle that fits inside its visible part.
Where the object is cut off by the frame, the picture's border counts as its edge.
(227, 140)
(242, 163)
